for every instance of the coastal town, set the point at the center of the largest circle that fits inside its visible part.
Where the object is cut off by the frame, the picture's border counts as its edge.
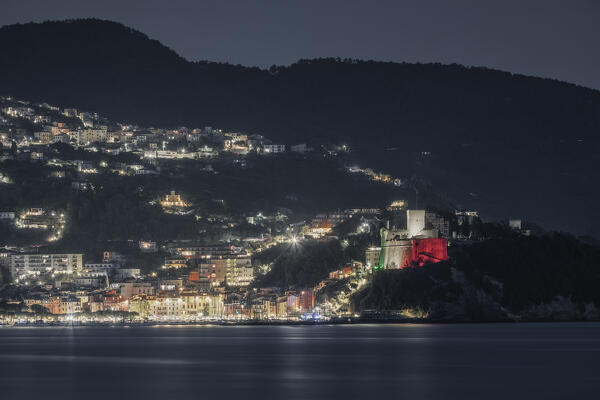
(201, 278)
(299, 200)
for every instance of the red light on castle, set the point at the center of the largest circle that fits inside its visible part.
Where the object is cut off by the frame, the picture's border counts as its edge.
(430, 250)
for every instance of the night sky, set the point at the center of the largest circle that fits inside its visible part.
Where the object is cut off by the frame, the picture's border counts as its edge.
(548, 38)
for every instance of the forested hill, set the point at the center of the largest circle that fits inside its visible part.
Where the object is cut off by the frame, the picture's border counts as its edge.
(503, 143)
(120, 72)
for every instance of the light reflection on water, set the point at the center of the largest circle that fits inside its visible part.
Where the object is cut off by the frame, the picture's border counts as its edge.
(491, 361)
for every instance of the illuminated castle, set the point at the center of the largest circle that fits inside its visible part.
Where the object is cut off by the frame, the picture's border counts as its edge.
(415, 245)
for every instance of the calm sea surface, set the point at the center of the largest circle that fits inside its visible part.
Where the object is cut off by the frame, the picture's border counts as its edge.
(486, 361)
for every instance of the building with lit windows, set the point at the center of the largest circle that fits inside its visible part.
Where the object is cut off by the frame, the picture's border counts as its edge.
(239, 272)
(372, 256)
(88, 136)
(167, 306)
(202, 304)
(22, 265)
(173, 200)
(273, 148)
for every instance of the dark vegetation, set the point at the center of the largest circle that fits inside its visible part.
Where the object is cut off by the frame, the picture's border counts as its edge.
(417, 287)
(534, 270)
(493, 279)
(129, 77)
(302, 265)
(305, 264)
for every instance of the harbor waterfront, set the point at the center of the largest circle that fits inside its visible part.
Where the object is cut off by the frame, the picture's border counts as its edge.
(420, 361)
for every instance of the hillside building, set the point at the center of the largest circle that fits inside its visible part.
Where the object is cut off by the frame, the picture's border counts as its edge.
(22, 265)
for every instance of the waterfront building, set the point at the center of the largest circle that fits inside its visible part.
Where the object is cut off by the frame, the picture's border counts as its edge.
(307, 300)
(167, 305)
(69, 305)
(202, 304)
(235, 307)
(262, 308)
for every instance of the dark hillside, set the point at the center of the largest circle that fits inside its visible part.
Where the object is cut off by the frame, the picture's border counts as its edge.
(506, 144)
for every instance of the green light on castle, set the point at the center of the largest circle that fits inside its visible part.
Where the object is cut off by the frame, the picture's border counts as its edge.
(380, 265)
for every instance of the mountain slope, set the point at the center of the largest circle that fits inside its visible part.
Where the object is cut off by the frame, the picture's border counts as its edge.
(506, 144)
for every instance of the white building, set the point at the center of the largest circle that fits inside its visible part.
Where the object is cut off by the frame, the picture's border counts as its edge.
(89, 136)
(202, 305)
(372, 256)
(22, 265)
(273, 148)
(239, 272)
(415, 222)
(515, 224)
(169, 307)
(7, 215)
